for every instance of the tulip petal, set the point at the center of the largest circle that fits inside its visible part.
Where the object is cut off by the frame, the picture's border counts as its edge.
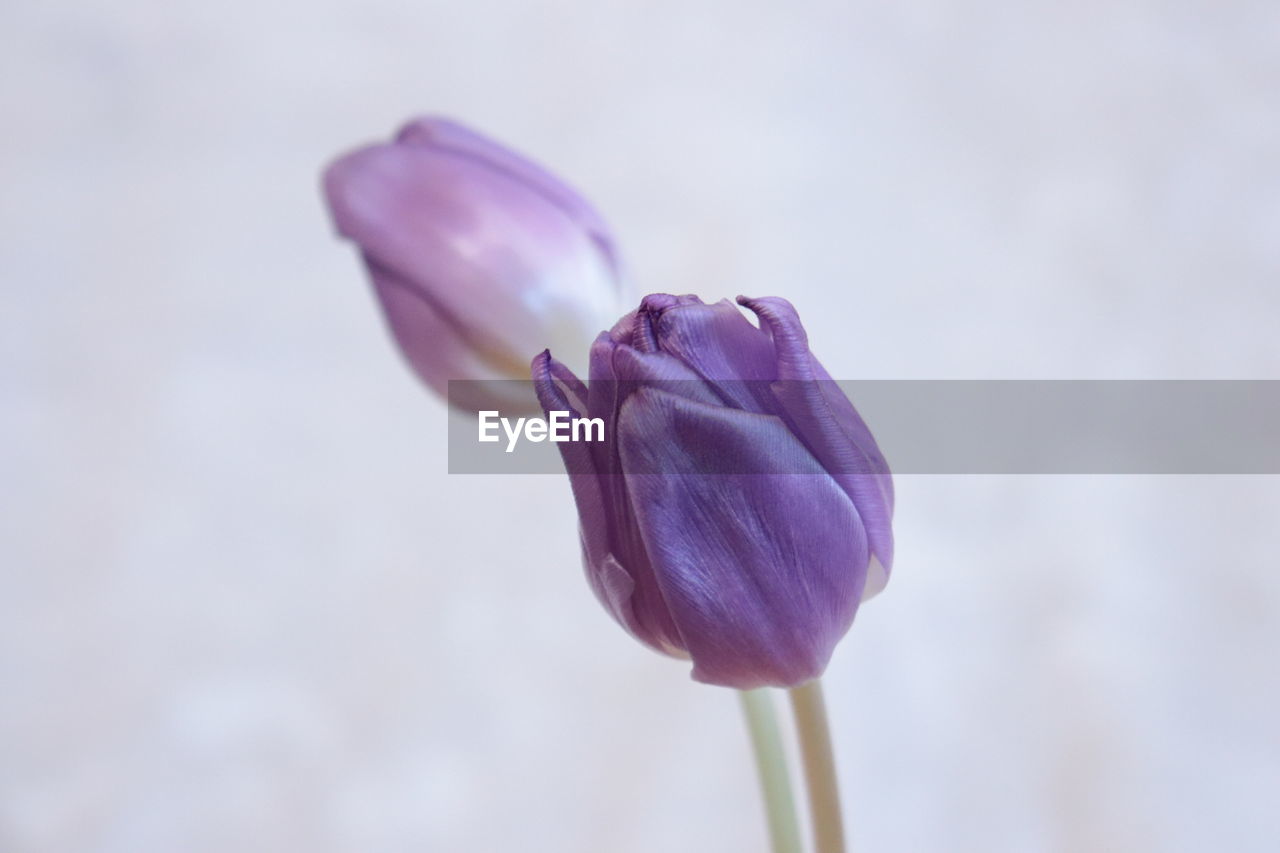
(635, 329)
(445, 135)
(715, 340)
(559, 390)
(612, 586)
(611, 544)
(762, 572)
(508, 270)
(437, 350)
(829, 425)
(659, 370)
(718, 343)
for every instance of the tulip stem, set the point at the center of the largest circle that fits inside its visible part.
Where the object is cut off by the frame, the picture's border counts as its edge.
(771, 764)
(819, 767)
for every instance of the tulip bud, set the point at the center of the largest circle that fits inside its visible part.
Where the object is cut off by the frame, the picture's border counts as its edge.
(479, 258)
(739, 509)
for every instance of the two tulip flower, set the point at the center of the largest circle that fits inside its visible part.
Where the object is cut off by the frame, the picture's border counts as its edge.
(739, 510)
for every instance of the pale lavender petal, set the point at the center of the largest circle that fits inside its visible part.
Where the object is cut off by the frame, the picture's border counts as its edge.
(508, 270)
(447, 135)
(438, 352)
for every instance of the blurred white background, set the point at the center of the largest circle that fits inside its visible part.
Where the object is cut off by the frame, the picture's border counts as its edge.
(243, 607)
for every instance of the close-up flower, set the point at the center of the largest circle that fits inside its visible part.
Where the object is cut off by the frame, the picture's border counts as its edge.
(264, 588)
(479, 257)
(740, 510)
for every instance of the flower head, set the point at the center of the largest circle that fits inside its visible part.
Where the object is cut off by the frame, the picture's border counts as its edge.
(739, 510)
(479, 257)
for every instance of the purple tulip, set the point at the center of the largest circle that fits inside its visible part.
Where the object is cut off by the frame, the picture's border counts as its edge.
(739, 509)
(479, 258)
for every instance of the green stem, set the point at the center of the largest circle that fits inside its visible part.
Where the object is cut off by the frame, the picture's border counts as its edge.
(771, 763)
(819, 767)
